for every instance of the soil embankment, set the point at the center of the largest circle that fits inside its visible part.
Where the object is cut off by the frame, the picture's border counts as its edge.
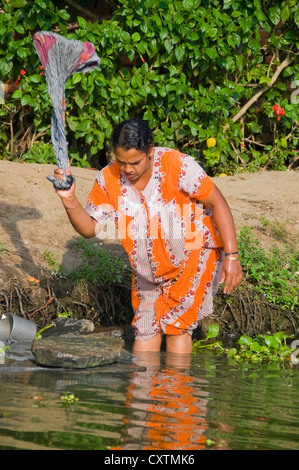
(33, 221)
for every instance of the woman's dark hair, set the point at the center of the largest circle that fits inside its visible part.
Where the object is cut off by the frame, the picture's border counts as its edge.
(132, 133)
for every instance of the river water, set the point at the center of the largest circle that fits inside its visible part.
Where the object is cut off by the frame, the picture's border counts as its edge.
(154, 402)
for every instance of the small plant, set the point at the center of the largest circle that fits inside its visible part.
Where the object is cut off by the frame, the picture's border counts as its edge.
(273, 274)
(3, 248)
(3, 349)
(263, 348)
(210, 442)
(53, 265)
(69, 398)
(277, 229)
(265, 222)
(97, 265)
(65, 315)
(213, 332)
(39, 333)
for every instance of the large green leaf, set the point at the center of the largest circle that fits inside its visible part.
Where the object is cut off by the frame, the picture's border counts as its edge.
(213, 331)
(275, 14)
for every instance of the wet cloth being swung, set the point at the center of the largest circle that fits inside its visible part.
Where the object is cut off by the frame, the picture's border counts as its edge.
(61, 58)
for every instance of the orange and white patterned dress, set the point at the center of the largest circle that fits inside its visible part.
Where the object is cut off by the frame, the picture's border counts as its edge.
(173, 245)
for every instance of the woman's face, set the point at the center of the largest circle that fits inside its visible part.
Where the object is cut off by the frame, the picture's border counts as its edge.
(133, 163)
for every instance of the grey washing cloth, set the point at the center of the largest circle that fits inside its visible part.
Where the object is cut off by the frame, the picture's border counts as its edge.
(61, 58)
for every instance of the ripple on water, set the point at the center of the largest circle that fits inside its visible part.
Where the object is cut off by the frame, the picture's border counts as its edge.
(159, 403)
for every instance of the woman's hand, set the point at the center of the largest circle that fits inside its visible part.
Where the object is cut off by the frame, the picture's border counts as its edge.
(231, 274)
(64, 193)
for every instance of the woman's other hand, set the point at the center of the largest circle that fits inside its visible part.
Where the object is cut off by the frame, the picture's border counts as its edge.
(231, 274)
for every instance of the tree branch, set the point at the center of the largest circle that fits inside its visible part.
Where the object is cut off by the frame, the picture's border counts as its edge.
(82, 10)
(255, 97)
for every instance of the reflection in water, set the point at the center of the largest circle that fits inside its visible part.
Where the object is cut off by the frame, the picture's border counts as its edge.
(149, 402)
(165, 410)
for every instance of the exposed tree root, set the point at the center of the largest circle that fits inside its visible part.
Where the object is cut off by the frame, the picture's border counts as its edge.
(104, 305)
(243, 312)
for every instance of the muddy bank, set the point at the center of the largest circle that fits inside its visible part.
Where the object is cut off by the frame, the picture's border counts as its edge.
(243, 312)
(36, 237)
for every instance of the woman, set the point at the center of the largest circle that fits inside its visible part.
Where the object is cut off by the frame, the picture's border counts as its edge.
(176, 227)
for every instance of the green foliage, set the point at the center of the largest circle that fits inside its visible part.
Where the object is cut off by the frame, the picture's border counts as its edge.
(263, 348)
(39, 334)
(97, 265)
(65, 315)
(68, 398)
(277, 229)
(199, 344)
(40, 152)
(53, 266)
(188, 67)
(3, 248)
(273, 274)
(4, 349)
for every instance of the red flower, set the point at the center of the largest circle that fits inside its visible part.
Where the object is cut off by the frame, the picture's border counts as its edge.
(278, 111)
(23, 72)
(276, 108)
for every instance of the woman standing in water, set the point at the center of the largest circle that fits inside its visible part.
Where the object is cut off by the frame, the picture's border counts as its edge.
(176, 227)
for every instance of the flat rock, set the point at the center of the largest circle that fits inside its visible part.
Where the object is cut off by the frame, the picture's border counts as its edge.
(66, 326)
(77, 351)
(124, 332)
